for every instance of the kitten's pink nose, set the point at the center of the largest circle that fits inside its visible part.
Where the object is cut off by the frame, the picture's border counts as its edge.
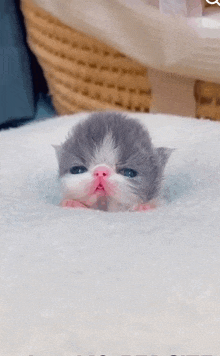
(102, 172)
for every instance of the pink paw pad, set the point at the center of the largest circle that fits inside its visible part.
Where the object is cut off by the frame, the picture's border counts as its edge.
(68, 203)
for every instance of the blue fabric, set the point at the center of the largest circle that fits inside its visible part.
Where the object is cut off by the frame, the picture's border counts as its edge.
(16, 82)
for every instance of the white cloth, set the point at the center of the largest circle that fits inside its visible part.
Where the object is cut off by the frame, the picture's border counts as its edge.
(184, 7)
(188, 46)
(180, 7)
(173, 94)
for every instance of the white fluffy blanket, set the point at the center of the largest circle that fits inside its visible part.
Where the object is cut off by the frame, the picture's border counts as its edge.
(95, 283)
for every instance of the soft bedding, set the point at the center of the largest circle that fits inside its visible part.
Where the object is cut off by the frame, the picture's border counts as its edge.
(89, 282)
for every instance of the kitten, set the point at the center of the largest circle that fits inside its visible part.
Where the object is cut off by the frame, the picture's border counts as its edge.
(109, 163)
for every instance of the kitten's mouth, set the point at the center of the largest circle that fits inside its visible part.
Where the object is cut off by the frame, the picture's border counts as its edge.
(100, 189)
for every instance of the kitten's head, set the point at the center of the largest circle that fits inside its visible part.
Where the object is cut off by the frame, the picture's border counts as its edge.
(111, 156)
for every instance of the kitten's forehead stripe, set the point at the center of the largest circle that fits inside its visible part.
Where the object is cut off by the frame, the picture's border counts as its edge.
(106, 153)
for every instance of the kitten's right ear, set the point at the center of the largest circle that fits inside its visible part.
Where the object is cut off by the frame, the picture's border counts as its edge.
(57, 150)
(164, 154)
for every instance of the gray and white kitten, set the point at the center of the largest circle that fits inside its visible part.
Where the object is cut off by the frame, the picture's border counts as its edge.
(108, 162)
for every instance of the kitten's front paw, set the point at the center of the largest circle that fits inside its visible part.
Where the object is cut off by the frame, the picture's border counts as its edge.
(68, 203)
(145, 207)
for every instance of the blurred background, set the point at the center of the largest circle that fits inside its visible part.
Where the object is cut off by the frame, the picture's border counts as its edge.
(140, 56)
(23, 88)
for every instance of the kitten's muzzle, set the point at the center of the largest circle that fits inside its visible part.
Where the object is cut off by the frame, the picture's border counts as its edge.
(101, 175)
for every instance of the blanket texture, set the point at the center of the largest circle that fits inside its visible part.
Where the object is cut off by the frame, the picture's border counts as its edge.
(95, 283)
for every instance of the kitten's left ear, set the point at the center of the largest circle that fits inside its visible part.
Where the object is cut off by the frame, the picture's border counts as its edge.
(164, 154)
(57, 150)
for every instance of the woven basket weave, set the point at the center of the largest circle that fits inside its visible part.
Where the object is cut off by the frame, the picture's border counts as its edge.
(85, 74)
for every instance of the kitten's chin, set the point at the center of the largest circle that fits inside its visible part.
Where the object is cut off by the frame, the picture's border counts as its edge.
(113, 203)
(106, 203)
(115, 206)
(102, 201)
(93, 199)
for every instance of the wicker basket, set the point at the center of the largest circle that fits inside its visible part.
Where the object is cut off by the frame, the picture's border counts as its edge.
(85, 74)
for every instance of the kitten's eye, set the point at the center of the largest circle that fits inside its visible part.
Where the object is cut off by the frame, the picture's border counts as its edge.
(78, 169)
(127, 172)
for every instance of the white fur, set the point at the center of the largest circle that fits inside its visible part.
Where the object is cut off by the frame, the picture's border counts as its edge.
(77, 187)
(107, 153)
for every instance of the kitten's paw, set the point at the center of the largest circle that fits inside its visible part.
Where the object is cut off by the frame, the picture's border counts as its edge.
(145, 207)
(68, 203)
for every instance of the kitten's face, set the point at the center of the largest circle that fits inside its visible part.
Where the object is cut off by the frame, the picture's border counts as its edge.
(108, 162)
(101, 182)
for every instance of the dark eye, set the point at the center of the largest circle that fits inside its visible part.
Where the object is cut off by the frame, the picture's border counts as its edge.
(127, 172)
(78, 169)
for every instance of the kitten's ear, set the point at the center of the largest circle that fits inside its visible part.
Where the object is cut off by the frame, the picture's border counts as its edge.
(164, 154)
(57, 150)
